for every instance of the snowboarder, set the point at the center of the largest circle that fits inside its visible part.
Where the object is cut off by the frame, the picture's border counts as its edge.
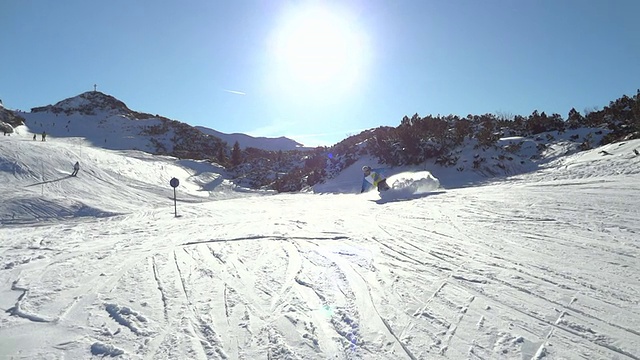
(44, 136)
(374, 178)
(76, 167)
(34, 136)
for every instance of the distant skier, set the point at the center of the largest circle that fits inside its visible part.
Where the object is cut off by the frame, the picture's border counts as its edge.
(374, 179)
(76, 167)
(44, 136)
(34, 136)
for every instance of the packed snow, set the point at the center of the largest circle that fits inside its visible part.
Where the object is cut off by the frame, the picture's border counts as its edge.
(542, 265)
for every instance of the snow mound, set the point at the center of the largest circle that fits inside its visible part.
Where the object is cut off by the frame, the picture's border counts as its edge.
(408, 184)
(99, 348)
(417, 182)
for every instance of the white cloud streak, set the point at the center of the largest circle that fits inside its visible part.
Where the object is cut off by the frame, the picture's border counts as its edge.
(234, 92)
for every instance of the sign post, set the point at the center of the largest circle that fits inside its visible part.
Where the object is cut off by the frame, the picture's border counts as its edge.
(174, 184)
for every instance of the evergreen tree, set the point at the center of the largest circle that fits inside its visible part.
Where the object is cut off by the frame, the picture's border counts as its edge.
(574, 119)
(236, 154)
(221, 156)
(462, 128)
(636, 114)
(535, 122)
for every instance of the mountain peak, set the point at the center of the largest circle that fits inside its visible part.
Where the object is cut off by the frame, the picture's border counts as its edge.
(87, 103)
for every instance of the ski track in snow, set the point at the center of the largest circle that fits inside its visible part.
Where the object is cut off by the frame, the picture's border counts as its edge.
(538, 267)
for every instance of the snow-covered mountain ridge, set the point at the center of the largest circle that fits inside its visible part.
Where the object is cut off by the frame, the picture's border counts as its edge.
(270, 144)
(483, 147)
(94, 104)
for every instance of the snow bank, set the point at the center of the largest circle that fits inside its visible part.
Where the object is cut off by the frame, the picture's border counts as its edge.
(413, 183)
(409, 185)
(98, 348)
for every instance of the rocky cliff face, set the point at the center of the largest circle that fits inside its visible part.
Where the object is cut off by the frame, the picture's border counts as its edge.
(9, 120)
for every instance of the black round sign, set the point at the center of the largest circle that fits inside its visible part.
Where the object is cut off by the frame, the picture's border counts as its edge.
(174, 182)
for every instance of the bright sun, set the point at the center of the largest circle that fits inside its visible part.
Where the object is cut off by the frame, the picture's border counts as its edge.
(316, 46)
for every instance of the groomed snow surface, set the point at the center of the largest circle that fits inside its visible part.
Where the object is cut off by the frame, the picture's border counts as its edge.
(545, 265)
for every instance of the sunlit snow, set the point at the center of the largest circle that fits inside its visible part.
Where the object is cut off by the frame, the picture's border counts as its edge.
(545, 265)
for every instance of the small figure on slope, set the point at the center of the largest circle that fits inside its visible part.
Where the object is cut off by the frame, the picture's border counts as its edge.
(76, 167)
(373, 178)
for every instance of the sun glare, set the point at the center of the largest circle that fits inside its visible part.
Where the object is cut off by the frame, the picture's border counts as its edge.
(317, 47)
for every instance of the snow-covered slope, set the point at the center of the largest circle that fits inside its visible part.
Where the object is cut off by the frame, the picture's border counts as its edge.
(39, 186)
(101, 121)
(542, 266)
(107, 122)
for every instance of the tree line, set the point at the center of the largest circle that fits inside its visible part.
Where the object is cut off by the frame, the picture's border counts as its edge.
(418, 139)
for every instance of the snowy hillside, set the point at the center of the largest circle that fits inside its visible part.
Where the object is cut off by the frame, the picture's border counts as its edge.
(466, 159)
(78, 116)
(104, 121)
(40, 170)
(545, 265)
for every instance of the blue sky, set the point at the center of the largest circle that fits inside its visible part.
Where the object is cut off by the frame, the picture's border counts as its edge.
(319, 71)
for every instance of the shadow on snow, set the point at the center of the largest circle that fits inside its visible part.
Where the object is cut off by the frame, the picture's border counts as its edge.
(398, 198)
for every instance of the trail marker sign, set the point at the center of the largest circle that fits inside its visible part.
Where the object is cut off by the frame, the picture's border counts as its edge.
(174, 184)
